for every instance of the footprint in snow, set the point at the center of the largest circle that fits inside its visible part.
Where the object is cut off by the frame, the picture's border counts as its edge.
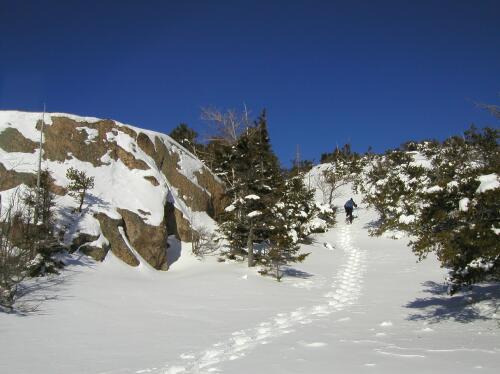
(313, 344)
(328, 246)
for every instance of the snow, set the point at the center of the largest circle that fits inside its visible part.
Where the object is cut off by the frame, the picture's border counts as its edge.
(407, 219)
(451, 185)
(230, 208)
(25, 122)
(420, 160)
(328, 246)
(365, 306)
(488, 182)
(463, 204)
(91, 133)
(252, 197)
(116, 186)
(254, 213)
(433, 189)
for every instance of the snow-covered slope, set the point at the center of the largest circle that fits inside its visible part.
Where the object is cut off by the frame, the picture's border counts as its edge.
(145, 182)
(357, 304)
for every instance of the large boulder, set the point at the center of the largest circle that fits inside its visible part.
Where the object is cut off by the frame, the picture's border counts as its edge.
(147, 185)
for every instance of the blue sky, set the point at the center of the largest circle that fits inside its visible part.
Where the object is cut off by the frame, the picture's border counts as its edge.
(328, 72)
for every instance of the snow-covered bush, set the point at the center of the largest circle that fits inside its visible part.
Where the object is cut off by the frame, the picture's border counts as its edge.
(447, 197)
(393, 185)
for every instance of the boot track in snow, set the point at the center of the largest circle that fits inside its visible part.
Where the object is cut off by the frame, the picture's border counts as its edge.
(346, 289)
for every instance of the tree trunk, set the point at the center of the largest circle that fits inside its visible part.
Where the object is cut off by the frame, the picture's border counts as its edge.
(82, 197)
(250, 247)
(330, 197)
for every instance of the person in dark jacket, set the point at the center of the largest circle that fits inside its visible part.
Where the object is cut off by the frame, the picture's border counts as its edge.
(349, 206)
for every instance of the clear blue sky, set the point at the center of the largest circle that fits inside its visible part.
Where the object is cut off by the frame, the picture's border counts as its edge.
(328, 72)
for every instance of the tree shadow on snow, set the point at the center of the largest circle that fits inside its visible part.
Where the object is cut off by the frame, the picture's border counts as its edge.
(69, 215)
(461, 307)
(33, 292)
(295, 273)
(373, 225)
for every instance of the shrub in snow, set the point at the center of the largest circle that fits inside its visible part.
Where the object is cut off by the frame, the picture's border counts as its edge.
(449, 203)
(204, 242)
(27, 243)
(393, 186)
(465, 240)
(341, 170)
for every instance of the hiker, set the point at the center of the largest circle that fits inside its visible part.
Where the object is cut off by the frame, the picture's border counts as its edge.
(349, 206)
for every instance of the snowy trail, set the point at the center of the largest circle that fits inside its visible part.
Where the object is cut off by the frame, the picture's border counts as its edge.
(345, 289)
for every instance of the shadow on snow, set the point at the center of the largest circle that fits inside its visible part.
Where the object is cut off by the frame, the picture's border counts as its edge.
(461, 307)
(33, 292)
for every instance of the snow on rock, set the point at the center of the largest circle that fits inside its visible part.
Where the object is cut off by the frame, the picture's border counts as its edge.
(488, 182)
(92, 134)
(135, 170)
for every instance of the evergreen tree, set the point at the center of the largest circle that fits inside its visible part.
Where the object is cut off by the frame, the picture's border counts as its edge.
(41, 234)
(187, 137)
(253, 173)
(79, 184)
(442, 205)
(283, 239)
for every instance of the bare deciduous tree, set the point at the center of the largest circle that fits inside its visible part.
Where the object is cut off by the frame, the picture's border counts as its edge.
(330, 180)
(204, 242)
(228, 125)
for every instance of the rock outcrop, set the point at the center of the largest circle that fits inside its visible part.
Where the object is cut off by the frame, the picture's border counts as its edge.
(147, 185)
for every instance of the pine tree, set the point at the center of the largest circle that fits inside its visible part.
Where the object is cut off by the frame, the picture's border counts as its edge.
(442, 205)
(79, 184)
(286, 229)
(44, 241)
(187, 137)
(253, 173)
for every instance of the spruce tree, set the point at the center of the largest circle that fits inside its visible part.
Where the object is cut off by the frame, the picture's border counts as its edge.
(79, 184)
(253, 173)
(442, 205)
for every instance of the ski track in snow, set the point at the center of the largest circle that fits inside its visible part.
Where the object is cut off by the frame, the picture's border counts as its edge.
(346, 289)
